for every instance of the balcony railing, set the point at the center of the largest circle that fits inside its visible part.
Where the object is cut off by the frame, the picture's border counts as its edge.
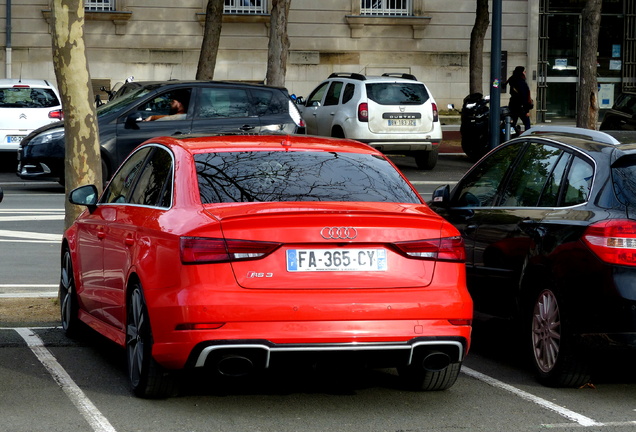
(99, 5)
(247, 7)
(386, 7)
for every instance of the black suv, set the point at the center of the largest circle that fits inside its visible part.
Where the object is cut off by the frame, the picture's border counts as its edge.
(622, 116)
(208, 108)
(549, 224)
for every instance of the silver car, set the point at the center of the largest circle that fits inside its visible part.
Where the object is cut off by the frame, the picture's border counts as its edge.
(394, 113)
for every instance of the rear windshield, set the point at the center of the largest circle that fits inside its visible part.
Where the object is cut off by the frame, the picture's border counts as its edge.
(397, 93)
(26, 97)
(227, 177)
(624, 178)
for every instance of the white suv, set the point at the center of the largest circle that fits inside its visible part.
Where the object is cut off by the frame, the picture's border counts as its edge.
(25, 105)
(394, 113)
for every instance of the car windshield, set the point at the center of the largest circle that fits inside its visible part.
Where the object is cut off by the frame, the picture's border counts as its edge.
(28, 97)
(270, 176)
(123, 102)
(397, 93)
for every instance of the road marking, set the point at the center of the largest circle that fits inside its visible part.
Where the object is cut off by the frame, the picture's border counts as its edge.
(30, 237)
(564, 412)
(89, 411)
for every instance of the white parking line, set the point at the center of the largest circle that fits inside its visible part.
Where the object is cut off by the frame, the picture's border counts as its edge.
(89, 411)
(564, 412)
(31, 236)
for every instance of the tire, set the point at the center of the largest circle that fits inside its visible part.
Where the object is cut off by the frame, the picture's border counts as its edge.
(426, 159)
(554, 354)
(147, 378)
(69, 306)
(475, 148)
(415, 377)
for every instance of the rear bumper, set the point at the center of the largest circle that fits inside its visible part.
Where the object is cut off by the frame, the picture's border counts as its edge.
(382, 343)
(263, 354)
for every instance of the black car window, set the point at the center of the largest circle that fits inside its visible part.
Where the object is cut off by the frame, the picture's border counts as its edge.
(270, 176)
(550, 194)
(315, 97)
(267, 102)
(530, 175)
(579, 183)
(626, 103)
(348, 93)
(216, 102)
(154, 185)
(161, 104)
(479, 187)
(624, 179)
(333, 94)
(120, 186)
(397, 93)
(26, 97)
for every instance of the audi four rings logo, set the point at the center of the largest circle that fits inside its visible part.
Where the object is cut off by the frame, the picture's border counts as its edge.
(339, 233)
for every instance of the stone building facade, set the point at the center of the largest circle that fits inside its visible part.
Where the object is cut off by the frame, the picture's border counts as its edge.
(161, 39)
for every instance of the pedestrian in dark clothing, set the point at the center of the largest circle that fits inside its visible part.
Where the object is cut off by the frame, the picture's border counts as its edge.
(520, 100)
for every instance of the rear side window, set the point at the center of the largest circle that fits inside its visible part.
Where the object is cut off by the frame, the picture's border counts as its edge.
(579, 183)
(348, 93)
(26, 97)
(271, 176)
(397, 93)
(267, 102)
(223, 103)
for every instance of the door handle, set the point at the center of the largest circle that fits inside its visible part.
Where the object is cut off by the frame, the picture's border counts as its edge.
(246, 127)
(101, 235)
(129, 241)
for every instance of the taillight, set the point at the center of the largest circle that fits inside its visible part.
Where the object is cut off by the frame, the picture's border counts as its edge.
(215, 250)
(441, 249)
(363, 112)
(57, 114)
(435, 113)
(613, 241)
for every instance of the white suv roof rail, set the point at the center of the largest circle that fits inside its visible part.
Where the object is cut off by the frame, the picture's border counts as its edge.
(594, 135)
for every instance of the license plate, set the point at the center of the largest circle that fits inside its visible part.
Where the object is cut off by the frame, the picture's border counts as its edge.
(307, 260)
(402, 122)
(14, 139)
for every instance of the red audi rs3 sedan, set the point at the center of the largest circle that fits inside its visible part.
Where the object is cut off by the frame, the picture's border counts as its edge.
(240, 253)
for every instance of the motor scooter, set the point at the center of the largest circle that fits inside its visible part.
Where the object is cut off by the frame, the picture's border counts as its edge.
(475, 126)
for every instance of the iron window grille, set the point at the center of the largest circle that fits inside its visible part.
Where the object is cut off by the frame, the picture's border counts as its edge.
(386, 7)
(99, 5)
(247, 7)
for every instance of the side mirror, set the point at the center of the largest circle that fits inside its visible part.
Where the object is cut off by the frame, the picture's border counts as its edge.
(132, 120)
(84, 196)
(316, 104)
(441, 196)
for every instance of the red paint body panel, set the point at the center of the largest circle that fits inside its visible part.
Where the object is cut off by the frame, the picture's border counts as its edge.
(117, 242)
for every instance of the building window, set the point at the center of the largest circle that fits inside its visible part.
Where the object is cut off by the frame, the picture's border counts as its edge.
(241, 7)
(386, 7)
(99, 5)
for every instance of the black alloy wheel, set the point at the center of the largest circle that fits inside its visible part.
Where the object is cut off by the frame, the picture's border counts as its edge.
(147, 378)
(69, 306)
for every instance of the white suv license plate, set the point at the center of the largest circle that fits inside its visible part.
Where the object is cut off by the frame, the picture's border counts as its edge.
(402, 122)
(356, 260)
(14, 139)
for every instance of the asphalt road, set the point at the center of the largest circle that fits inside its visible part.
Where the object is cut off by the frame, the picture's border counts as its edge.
(51, 383)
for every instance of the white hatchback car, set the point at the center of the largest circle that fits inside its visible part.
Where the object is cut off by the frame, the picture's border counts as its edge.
(394, 113)
(25, 105)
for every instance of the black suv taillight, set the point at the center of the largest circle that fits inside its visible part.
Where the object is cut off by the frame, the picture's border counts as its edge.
(613, 241)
